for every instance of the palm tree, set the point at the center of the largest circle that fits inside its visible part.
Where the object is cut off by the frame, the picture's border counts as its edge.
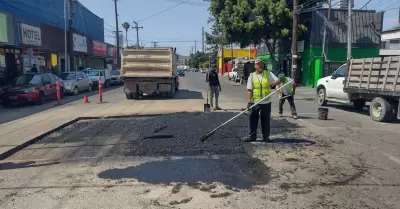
(126, 26)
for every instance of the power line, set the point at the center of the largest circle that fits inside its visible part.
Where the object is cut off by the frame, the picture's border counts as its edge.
(392, 4)
(158, 13)
(365, 4)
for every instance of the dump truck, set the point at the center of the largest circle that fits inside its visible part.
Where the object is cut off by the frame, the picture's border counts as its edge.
(375, 80)
(149, 71)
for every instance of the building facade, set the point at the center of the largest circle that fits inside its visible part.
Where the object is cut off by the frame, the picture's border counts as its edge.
(390, 42)
(33, 33)
(312, 62)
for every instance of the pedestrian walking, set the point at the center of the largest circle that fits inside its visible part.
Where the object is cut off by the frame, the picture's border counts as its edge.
(259, 86)
(287, 93)
(214, 87)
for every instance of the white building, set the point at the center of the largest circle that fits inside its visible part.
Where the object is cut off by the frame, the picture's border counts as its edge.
(390, 42)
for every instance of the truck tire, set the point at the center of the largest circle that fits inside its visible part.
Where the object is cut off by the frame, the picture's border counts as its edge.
(129, 96)
(321, 97)
(171, 93)
(359, 104)
(381, 110)
(176, 86)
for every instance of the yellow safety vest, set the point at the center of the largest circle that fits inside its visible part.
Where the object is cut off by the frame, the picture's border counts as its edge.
(289, 88)
(261, 87)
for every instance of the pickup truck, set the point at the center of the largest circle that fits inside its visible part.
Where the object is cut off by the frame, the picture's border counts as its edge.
(374, 80)
(149, 71)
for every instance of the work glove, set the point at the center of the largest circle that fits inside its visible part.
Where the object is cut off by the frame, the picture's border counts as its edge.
(220, 90)
(249, 105)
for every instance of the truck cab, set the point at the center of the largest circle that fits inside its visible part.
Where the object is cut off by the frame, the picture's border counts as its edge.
(330, 88)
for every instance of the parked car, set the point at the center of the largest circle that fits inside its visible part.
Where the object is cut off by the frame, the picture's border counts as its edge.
(32, 88)
(76, 82)
(94, 75)
(116, 77)
(180, 73)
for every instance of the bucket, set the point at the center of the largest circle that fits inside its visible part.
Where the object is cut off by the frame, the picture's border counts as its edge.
(323, 113)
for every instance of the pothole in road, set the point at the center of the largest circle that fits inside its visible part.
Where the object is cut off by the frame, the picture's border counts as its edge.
(175, 134)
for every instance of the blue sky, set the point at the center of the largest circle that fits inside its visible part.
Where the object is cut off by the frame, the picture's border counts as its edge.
(182, 24)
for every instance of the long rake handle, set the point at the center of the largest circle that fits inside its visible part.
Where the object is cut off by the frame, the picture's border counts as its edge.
(215, 129)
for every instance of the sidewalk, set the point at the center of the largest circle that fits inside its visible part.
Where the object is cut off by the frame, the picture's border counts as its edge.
(19, 133)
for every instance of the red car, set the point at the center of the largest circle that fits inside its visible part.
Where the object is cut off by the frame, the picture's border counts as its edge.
(32, 88)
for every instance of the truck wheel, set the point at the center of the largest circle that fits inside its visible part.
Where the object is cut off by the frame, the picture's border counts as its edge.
(176, 86)
(129, 96)
(359, 104)
(321, 97)
(171, 93)
(380, 110)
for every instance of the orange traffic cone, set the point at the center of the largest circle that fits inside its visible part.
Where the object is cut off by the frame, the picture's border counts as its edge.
(86, 99)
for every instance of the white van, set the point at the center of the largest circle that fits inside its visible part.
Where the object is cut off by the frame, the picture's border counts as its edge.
(94, 75)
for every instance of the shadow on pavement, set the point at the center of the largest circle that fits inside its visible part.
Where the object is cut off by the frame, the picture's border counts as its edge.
(241, 172)
(30, 164)
(348, 108)
(179, 95)
(292, 141)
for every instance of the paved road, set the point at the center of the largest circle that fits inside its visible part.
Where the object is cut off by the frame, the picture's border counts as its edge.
(22, 110)
(158, 161)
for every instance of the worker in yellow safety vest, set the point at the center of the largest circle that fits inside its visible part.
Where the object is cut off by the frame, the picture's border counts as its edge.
(287, 93)
(259, 86)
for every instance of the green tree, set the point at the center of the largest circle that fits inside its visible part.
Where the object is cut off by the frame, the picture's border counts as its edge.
(249, 22)
(195, 60)
(204, 65)
(126, 26)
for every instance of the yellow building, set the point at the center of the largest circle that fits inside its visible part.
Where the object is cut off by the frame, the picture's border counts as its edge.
(226, 55)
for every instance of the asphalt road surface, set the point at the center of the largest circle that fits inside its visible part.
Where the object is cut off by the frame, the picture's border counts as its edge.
(158, 161)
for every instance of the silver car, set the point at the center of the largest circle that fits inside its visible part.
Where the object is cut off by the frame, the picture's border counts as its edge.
(75, 82)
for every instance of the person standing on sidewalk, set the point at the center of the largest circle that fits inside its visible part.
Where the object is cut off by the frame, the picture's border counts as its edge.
(259, 86)
(214, 87)
(287, 93)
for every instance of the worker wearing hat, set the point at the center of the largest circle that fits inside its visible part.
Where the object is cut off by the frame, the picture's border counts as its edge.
(287, 93)
(259, 86)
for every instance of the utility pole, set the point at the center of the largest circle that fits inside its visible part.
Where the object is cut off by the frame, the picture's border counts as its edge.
(154, 43)
(324, 54)
(71, 38)
(195, 44)
(349, 32)
(202, 38)
(65, 37)
(191, 50)
(117, 33)
(294, 42)
(137, 32)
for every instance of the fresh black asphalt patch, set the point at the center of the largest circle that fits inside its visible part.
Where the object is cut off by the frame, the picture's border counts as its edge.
(175, 134)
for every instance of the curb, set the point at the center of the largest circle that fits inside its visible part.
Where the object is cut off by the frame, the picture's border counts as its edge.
(12, 151)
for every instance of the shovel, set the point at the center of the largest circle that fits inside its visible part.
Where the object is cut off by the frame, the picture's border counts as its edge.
(207, 106)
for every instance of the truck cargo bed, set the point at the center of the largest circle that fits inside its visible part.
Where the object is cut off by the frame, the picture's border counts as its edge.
(149, 62)
(374, 75)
